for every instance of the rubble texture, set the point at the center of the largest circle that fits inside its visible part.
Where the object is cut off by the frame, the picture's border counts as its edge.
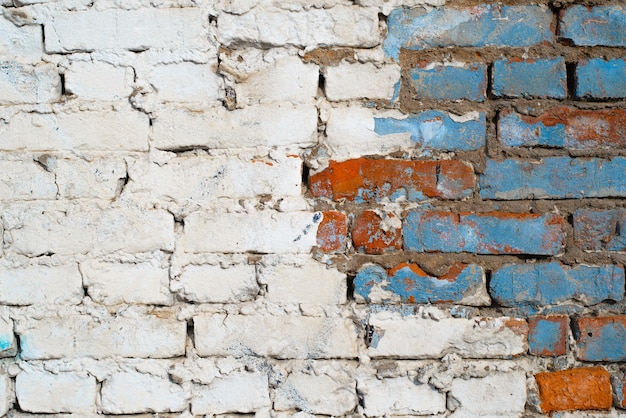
(278, 208)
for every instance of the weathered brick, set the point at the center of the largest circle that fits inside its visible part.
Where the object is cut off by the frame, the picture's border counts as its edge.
(283, 336)
(600, 230)
(598, 25)
(239, 392)
(8, 342)
(449, 82)
(355, 131)
(214, 284)
(598, 78)
(517, 77)
(483, 25)
(399, 396)
(618, 381)
(96, 178)
(135, 30)
(408, 283)
(484, 233)
(553, 283)
(547, 335)
(601, 338)
(264, 232)
(26, 180)
(132, 392)
(40, 284)
(410, 336)
(373, 180)
(98, 80)
(84, 336)
(553, 178)
(186, 82)
(21, 83)
(564, 127)
(42, 391)
(498, 394)
(332, 233)
(349, 81)
(105, 130)
(7, 396)
(254, 126)
(24, 42)
(375, 234)
(335, 26)
(582, 388)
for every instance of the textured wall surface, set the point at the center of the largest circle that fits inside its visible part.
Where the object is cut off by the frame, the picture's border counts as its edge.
(278, 208)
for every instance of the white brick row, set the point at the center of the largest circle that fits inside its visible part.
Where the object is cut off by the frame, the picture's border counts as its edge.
(20, 43)
(353, 81)
(46, 392)
(214, 284)
(99, 81)
(239, 392)
(40, 284)
(499, 394)
(399, 396)
(23, 84)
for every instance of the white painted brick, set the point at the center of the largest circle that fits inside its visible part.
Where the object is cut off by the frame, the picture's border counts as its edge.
(419, 337)
(286, 80)
(82, 228)
(351, 81)
(21, 83)
(320, 393)
(236, 393)
(40, 284)
(126, 29)
(502, 394)
(6, 394)
(335, 26)
(26, 180)
(20, 42)
(399, 396)
(284, 336)
(8, 343)
(310, 284)
(387, 6)
(98, 80)
(97, 178)
(71, 336)
(186, 82)
(121, 130)
(214, 284)
(201, 179)
(41, 391)
(255, 126)
(113, 283)
(134, 392)
(263, 232)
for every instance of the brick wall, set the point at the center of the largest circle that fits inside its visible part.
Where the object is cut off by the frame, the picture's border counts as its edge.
(331, 208)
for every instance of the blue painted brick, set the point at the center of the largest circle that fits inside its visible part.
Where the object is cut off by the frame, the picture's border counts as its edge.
(601, 338)
(553, 177)
(486, 233)
(544, 78)
(547, 335)
(446, 82)
(599, 25)
(551, 283)
(437, 130)
(598, 230)
(409, 283)
(479, 26)
(601, 79)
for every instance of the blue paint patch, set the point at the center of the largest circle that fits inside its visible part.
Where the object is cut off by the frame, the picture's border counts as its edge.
(437, 130)
(5, 342)
(546, 337)
(553, 177)
(544, 78)
(605, 344)
(601, 79)
(515, 132)
(367, 278)
(552, 283)
(479, 26)
(447, 82)
(599, 25)
(600, 229)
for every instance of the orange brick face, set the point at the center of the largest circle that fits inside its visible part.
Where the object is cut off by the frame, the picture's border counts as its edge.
(369, 234)
(577, 389)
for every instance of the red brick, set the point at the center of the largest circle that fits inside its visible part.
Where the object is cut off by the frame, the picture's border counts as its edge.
(369, 180)
(584, 388)
(369, 236)
(332, 233)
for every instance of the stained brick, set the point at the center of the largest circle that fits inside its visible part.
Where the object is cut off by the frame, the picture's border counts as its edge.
(598, 230)
(484, 233)
(447, 82)
(374, 234)
(547, 335)
(602, 79)
(599, 25)
(364, 180)
(516, 77)
(553, 178)
(552, 283)
(583, 388)
(601, 339)
(619, 388)
(332, 233)
(564, 127)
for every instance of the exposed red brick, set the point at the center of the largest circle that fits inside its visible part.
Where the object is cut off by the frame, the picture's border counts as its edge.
(584, 388)
(370, 237)
(372, 180)
(332, 232)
